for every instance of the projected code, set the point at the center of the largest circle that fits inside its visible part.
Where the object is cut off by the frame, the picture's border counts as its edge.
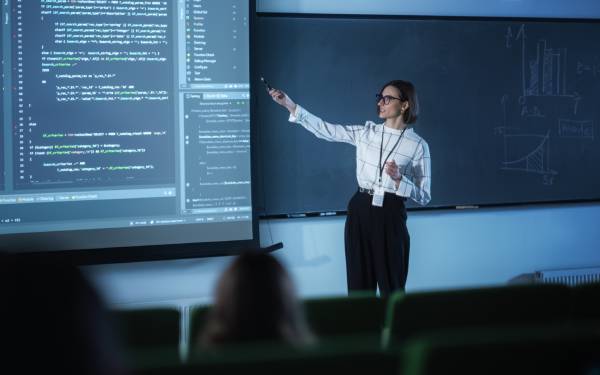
(216, 41)
(217, 150)
(125, 113)
(86, 113)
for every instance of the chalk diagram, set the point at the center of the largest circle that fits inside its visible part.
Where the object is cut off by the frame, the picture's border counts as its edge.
(535, 161)
(543, 73)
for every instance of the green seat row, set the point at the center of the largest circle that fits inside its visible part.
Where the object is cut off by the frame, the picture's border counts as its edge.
(275, 358)
(371, 322)
(523, 350)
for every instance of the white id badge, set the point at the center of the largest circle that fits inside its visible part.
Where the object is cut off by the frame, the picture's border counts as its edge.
(378, 195)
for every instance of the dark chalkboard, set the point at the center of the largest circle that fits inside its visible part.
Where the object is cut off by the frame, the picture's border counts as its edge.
(510, 108)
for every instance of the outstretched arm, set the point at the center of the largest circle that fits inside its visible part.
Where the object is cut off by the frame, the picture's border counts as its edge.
(314, 124)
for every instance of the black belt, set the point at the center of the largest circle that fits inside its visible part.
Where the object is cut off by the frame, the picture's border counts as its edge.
(372, 191)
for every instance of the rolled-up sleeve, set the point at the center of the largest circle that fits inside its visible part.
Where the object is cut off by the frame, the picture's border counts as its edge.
(416, 185)
(325, 130)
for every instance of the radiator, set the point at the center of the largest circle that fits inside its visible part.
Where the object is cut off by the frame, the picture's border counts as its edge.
(571, 276)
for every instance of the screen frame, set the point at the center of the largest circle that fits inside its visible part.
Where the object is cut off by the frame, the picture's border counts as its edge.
(123, 254)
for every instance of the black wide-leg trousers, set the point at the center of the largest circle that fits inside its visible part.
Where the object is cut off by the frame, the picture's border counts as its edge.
(377, 244)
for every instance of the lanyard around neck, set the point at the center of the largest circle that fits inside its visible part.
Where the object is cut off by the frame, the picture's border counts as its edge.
(381, 165)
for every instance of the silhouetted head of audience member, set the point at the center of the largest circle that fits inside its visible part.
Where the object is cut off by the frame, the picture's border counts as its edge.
(51, 318)
(255, 301)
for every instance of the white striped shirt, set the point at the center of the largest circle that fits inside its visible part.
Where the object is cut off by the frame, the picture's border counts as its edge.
(411, 154)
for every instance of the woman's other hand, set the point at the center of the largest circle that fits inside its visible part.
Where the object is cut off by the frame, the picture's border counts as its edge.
(391, 168)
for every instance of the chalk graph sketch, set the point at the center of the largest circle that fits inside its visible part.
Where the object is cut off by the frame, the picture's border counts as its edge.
(544, 75)
(547, 72)
(543, 72)
(543, 68)
(527, 153)
(524, 152)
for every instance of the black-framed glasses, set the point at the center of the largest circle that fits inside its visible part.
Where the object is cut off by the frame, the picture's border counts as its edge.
(386, 98)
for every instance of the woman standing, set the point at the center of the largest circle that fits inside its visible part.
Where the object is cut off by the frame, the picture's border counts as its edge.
(392, 164)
